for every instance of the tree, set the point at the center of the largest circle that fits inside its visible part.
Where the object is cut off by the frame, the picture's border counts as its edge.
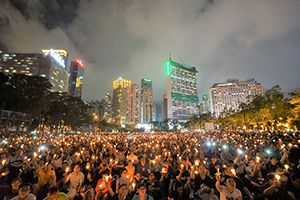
(294, 119)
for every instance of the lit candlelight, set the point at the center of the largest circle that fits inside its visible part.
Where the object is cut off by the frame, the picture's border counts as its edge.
(277, 177)
(35, 154)
(106, 178)
(257, 158)
(197, 162)
(3, 162)
(133, 186)
(218, 169)
(286, 167)
(233, 172)
(164, 170)
(67, 169)
(196, 172)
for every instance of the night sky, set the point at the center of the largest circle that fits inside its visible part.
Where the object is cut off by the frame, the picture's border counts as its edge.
(133, 38)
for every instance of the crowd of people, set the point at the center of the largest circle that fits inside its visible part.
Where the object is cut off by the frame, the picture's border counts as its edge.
(209, 165)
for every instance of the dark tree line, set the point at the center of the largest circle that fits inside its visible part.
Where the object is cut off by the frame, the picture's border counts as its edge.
(31, 95)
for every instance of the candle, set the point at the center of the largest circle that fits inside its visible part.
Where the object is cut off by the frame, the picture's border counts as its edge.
(277, 177)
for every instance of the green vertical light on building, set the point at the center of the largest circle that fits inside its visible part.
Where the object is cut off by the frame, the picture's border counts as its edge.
(168, 69)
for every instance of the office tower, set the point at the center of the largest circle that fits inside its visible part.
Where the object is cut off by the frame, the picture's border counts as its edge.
(107, 108)
(147, 106)
(157, 107)
(206, 103)
(230, 94)
(76, 78)
(146, 83)
(182, 99)
(45, 65)
(164, 107)
(133, 96)
(119, 100)
(63, 55)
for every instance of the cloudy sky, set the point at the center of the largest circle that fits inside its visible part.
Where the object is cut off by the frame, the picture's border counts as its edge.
(133, 38)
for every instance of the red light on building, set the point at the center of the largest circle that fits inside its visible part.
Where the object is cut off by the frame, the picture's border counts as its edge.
(79, 62)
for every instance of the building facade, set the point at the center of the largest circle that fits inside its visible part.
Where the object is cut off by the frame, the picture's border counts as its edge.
(147, 106)
(157, 116)
(107, 108)
(133, 109)
(182, 98)
(76, 78)
(119, 100)
(230, 94)
(44, 65)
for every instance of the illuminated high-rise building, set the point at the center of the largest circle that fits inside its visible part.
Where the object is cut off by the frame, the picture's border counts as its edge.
(157, 115)
(76, 78)
(107, 108)
(63, 55)
(230, 94)
(133, 96)
(182, 98)
(45, 65)
(147, 106)
(119, 100)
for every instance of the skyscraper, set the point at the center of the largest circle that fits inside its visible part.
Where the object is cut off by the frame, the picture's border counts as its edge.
(119, 100)
(45, 65)
(63, 55)
(133, 96)
(107, 107)
(182, 99)
(147, 106)
(76, 78)
(231, 93)
(157, 111)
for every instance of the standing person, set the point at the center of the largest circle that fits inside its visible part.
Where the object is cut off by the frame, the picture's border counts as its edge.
(142, 193)
(229, 191)
(76, 179)
(24, 192)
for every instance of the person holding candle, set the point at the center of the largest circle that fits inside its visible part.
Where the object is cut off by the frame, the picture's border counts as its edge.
(228, 191)
(273, 189)
(76, 179)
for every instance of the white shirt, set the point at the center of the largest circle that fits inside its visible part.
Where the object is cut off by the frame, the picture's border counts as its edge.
(75, 180)
(29, 197)
(226, 195)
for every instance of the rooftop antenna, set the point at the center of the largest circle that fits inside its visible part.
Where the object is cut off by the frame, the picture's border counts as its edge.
(181, 60)
(170, 55)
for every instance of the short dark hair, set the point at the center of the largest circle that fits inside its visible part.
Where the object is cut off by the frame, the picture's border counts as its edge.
(174, 195)
(53, 190)
(270, 176)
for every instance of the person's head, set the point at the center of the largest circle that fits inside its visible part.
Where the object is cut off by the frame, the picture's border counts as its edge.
(151, 177)
(48, 166)
(137, 176)
(89, 195)
(76, 168)
(16, 183)
(143, 162)
(123, 173)
(123, 190)
(270, 178)
(230, 182)
(91, 174)
(53, 193)
(174, 195)
(202, 169)
(213, 160)
(141, 188)
(24, 190)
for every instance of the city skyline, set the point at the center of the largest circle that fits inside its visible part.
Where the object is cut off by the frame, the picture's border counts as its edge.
(249, 39)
